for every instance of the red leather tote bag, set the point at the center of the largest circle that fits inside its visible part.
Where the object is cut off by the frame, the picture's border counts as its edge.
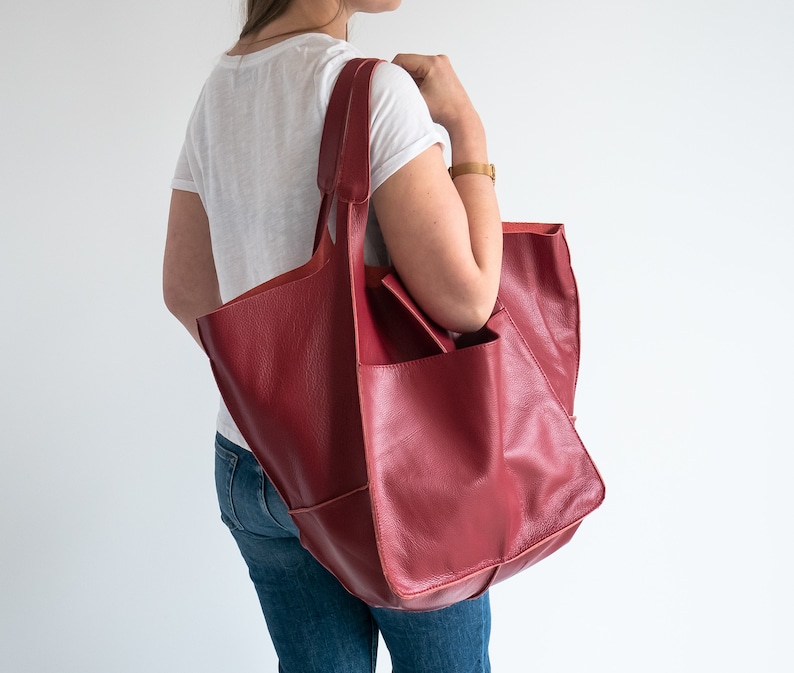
(420, 467)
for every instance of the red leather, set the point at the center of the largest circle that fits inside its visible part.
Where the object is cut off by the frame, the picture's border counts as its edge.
(420, 466)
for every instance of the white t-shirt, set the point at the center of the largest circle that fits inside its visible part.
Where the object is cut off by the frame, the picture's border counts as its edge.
(251, 152)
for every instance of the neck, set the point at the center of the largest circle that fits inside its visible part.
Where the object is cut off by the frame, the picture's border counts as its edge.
(303, 16)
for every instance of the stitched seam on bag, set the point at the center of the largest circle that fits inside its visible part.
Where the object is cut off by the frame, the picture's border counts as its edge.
(469, 573)
(305, 510)
(578, 310)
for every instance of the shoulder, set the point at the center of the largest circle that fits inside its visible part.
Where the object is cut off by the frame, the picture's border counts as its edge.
(391, 80)
(395, 95)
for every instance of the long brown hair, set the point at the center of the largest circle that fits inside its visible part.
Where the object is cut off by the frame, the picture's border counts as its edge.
(262, 12)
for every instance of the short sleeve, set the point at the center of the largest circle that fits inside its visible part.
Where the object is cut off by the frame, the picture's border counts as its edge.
(400, 124)
(183, 178)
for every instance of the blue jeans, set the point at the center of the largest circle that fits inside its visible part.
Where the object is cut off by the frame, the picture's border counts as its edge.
(315, 624)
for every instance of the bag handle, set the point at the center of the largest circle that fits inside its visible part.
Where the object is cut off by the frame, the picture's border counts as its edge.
(336, 118)
(353, 180)
(334, 130)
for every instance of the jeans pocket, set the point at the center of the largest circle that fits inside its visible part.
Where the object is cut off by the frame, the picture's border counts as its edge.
(248, 501)
(225, 467)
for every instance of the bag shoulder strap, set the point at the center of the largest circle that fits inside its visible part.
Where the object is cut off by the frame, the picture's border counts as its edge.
(334, 134)
(334, 128)
(353, 185)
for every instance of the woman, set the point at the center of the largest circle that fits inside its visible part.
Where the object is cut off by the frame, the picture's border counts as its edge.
(244, 209)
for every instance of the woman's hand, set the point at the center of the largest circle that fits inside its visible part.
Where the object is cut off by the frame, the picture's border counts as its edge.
(447, 100)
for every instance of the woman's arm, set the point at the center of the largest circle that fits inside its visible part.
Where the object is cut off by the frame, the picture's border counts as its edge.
(190, 284)
(444, 237)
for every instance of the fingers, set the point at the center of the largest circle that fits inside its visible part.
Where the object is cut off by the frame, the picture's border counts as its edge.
(438, 84)
(416, 65)
(419, 65)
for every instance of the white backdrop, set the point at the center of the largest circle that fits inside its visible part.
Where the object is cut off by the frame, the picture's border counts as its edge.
(661, 134)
